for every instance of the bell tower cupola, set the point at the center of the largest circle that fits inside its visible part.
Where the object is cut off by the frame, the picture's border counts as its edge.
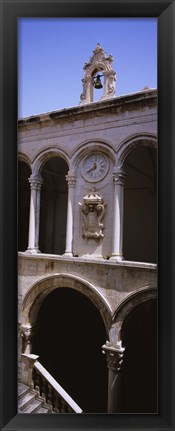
(99, 67)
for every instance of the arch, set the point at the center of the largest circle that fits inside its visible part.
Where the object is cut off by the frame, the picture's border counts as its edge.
(126, 306)
(47, 153)
(35, 296)
(128, 145)
(98, 66)
(22, 157)
(96, 145)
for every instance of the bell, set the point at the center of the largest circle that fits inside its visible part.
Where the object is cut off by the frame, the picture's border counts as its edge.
(97, 82)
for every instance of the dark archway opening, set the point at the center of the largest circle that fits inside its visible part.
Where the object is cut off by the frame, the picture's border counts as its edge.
(69, 339)
(24, 173)
(139, 375)
(53, 206)
(140, 205)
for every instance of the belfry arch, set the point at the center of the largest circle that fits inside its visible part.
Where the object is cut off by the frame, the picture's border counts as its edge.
(100, 64)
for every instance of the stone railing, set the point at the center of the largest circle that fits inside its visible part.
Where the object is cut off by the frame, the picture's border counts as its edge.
(46, 387)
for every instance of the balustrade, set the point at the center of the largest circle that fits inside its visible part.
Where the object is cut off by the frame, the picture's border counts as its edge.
(51, 392)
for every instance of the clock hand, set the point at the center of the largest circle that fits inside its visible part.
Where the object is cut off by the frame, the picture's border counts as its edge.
(92, 168)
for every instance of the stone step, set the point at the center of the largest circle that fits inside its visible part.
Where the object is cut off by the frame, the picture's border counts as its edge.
(33, 407)
(43, 410)
(22, 390)
(30, 402)
(26, 400)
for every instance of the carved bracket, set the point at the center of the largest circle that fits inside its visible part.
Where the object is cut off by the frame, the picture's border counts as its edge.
(93, 209)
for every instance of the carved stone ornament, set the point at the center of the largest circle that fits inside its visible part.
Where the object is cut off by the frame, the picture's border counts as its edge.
(118, 177)
(93, 209)
(26, 333)
(114, 356)
(100, 63)
(35, 181)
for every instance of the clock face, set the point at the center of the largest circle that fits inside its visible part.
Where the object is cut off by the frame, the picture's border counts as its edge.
(95, 166)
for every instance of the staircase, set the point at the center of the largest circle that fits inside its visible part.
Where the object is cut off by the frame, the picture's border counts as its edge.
(30, 402)
(39, 392)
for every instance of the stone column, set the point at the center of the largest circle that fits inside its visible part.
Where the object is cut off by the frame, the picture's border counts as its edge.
(117, 246)
(35, 186)
(114, 356)
(71, 179)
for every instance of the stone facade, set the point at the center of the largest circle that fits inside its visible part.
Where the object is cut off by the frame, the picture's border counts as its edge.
(94, 140)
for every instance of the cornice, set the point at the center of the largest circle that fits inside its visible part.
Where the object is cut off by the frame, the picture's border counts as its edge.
(145, 98)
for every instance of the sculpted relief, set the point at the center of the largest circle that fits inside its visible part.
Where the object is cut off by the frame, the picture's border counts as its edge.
(93, 209)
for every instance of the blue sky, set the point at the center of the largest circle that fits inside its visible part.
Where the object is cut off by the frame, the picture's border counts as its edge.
(52, 53)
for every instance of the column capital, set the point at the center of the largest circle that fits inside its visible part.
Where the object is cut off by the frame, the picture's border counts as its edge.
(118, 176)
(26, 331)
(71, 179)
(35, 181)
(114, 356)
(27, 334)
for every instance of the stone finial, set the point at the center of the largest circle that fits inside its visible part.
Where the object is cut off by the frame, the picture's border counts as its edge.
(99, 62)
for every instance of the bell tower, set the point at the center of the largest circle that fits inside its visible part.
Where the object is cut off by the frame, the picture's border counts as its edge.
(100, 64)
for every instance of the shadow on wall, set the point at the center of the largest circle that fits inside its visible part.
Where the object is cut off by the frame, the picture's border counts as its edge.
(139, 375)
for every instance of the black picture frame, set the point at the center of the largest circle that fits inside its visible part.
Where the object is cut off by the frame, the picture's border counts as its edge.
(165, 13)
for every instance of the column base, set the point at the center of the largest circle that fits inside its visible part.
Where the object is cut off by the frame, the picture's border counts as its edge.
(116, 257)
(32, 250)
(67, 254)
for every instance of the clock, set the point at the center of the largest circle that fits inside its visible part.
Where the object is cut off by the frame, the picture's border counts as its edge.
(94, 167)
